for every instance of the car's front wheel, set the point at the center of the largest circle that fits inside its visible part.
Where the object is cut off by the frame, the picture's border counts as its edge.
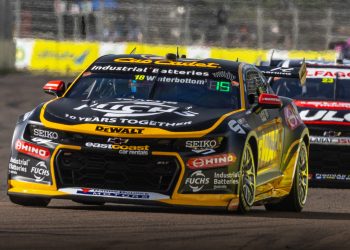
(247, 183)
(29, 201)
(296, 199)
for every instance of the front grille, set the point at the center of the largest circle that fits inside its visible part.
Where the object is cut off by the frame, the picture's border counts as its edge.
(108, 170)
(329, 158)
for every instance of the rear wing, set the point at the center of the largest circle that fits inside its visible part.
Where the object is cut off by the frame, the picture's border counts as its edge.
(285, 72)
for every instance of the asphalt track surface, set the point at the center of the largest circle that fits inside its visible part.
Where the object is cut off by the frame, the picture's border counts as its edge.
(324, 223)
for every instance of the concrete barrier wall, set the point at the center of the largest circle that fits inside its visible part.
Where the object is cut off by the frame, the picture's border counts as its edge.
(7, 55)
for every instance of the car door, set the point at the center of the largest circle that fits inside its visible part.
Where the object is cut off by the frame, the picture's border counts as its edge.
(268, 126)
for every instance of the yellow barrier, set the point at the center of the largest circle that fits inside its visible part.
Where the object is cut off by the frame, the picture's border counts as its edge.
(328, 55)
(72, 57)
(63, 57)
(243, 55)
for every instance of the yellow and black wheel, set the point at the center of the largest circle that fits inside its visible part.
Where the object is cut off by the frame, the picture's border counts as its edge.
(247, 184)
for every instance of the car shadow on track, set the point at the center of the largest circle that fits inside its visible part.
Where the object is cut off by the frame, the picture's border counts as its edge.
(308, 215)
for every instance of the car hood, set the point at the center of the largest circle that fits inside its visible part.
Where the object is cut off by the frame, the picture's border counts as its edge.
(324, 113)
(171, 116)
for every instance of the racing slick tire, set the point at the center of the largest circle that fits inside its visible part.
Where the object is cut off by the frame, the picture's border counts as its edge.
(29, 201)
(247, 183)
(296, 199)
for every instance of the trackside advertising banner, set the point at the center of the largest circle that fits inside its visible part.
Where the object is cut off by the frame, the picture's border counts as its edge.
(71, 57)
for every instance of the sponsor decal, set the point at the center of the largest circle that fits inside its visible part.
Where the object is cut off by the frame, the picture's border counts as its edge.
(119, 130)
(29, 170)
(165, 79)
(243, 122)
(122, 149)
(40, 171)
(204, 151)
(40, 140)
(93, 119)
(225, 74)
(269, 99)
(197, 181)
(32, 149)
(135, 108)
(203, 144)
(168, 62)
(236, 127)
(18, 166)
(292, 117)
(52, 135)
(120, 194)
(151, 72)
(222, 180)
(324, 116)
(114, 140)
(212, 161)
(180, 72)
(114, 193)
(153, 123)
(327, 140)
(326, 176)
(264, 115)
(331, 133)
(323, 105)
(218, 180)
(119, 69)
(328, 73)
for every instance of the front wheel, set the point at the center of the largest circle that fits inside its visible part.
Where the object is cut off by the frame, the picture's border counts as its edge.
(29, 201)
(247, 182)
(296, 199)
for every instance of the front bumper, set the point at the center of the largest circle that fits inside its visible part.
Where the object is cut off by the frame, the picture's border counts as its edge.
(171, 195)
(329, 165)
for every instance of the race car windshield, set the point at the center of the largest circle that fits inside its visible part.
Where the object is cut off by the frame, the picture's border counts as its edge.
(335, 89)
(205, 92)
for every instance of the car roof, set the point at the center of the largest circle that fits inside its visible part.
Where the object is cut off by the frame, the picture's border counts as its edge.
(223, 64)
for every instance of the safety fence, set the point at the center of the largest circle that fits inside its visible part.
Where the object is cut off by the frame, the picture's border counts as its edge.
(70, 57)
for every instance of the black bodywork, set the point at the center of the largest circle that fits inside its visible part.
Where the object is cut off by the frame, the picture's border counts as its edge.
(148, 148)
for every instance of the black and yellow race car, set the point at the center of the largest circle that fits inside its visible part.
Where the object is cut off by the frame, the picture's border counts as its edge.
(163, 130)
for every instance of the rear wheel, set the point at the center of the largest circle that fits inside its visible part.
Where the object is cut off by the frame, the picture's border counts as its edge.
(247, 183)
(296, 199)
(29, 201)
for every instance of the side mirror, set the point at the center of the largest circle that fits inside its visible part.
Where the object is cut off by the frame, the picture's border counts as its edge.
(55, 87)
(269, 101)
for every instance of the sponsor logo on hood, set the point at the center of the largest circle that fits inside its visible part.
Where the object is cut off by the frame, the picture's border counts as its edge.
(136, 108)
